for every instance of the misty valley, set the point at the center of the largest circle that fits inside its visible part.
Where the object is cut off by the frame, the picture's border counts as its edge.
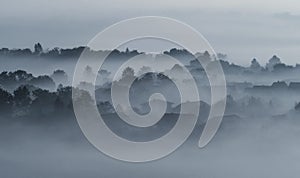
(39, 135)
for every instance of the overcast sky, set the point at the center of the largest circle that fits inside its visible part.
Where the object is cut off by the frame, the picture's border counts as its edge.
(241, 29)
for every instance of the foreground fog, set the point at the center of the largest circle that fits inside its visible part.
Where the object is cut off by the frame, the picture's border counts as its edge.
(242, 148)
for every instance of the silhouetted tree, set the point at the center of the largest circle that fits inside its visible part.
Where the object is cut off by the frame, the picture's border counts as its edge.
(281, 67)
(6, 102)
(88, 74)
(297, 106)
(38, 49)
(72, 53)
(53, 53)
(4, 51)
(43, 102)
(65, 95)
(128, 72)
(22, 102)
(44, 82)
(279, 85)
(272, 62)
(60, 77)
(103, 76)
(144, 69)
(255, 66)
(105, 107)
(12, 80)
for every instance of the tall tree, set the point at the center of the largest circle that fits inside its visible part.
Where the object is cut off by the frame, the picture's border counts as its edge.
(38, 49)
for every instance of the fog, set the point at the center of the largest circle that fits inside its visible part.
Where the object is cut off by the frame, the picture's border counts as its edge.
(40, 136)
(250, 148)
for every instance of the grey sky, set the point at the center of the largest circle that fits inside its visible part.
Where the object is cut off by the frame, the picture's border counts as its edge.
(241, 29)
